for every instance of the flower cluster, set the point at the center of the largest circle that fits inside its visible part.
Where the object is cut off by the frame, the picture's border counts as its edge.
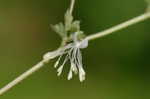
(73, 54)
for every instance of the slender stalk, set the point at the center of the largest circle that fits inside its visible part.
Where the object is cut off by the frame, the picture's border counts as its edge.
(72, 6)
(119, 27)
(22, 77)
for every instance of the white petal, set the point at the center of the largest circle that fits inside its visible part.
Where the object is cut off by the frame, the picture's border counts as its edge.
(83, 43)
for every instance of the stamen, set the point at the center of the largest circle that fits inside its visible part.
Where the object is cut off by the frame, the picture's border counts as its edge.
(59, 70)
(70, 75)
(74, 55)
(81, 74)
(74, 68)
(61, 67)
(57, 62)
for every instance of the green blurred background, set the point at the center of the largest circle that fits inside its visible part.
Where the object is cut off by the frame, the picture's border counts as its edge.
(117, 65)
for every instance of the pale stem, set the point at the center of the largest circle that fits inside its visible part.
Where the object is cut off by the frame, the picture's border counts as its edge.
(22, 77)
(119, 27)
(91, 37)
(72, 6)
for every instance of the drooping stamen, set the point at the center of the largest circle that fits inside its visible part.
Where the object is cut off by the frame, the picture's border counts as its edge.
(70, 74)
(59, 70)
(57, 62)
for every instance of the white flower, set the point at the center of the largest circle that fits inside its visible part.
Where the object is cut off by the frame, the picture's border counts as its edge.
(73, 54)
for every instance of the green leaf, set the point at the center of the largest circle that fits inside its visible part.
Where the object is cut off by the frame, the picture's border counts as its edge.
(59, 29)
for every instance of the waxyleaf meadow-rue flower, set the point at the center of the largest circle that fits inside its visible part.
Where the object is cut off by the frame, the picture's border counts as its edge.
(72, 54)
(72, 42)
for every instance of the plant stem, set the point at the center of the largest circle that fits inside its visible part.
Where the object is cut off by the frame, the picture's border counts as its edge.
(119, 27)
(91, 37)
(22, 77)
(72, 6)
